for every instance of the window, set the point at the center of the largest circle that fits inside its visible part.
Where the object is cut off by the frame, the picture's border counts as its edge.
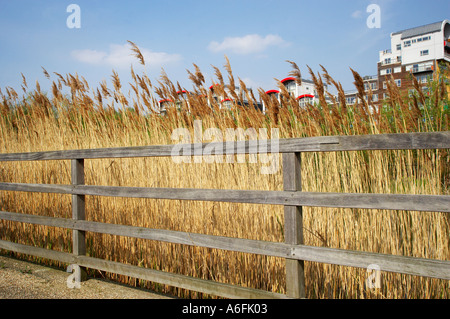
(374, 86)
(398, 69)
(424, 52)
(384, 85)
(227, 104)
(303, 102)
(387, 61)
(291, 88)
(422, 78)
(399, 47)
(398, 82)
(407, 44)
(375, 97)
(350, 100)
(424, 39)
(385, 71)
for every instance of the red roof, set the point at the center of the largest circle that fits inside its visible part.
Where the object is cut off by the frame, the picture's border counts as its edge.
(272, 91)
(288, 79)
(211, 87)
(305, 95)
(224, 100)
(165, 100)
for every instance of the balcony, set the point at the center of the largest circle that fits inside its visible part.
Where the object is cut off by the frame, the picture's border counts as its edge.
(421, 68)
(370, 77)
(391, 61)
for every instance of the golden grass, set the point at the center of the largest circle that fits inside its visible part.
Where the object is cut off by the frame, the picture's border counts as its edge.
(104, 117)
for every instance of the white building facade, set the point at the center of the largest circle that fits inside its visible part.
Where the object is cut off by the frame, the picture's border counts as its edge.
(418, 47)
(416, 52)
(305, 93)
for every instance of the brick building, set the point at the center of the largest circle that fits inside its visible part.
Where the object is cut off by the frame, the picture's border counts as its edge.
(418, 52)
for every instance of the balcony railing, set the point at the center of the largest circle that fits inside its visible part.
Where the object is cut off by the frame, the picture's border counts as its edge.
(422, 68)
(391, 61)
(370, 77)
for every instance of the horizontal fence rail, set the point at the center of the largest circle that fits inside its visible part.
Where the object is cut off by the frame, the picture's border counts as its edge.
(430, 203)
(399, 264)
(402, 141)
(292, 198)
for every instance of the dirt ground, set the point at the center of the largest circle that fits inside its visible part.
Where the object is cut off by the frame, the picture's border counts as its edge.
(25, 280)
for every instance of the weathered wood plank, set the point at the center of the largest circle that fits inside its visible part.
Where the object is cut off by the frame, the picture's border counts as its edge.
(428, 140)
(78, 213)
(171, 279)
(430, 203)
(293, 225)
(38, 252)
(119, 152)
(398, 264)
(176, 237)
(181, 281)
(38, 188)
(78, 207)
(39, 220)
(397, 141)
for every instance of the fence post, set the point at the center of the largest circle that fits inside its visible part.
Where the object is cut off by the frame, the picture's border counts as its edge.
(78, 213)
(293, 226)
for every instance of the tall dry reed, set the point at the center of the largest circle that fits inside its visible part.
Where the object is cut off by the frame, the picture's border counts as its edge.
(75, 116)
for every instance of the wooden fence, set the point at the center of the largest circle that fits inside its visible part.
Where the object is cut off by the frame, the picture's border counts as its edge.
(292, 198)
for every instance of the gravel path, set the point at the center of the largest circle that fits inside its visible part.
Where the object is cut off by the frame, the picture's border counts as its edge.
(25, 280)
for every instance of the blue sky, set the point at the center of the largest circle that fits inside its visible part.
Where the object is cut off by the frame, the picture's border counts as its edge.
(257, 37)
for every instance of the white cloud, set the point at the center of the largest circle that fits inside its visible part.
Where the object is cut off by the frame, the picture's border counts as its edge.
(357, 14)
(252, 43)
(121, 56)
(89, 56)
